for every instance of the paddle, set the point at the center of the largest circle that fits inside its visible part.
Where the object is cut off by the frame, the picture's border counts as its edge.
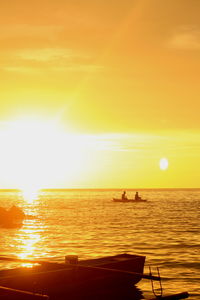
(144, 276)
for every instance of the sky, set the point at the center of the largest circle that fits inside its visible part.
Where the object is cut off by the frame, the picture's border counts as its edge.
(94, 93)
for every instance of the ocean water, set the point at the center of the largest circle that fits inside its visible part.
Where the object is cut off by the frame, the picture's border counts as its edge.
(166, 229)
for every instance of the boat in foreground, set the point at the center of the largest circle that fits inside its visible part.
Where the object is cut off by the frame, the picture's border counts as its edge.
(76, 277)
(107, 278)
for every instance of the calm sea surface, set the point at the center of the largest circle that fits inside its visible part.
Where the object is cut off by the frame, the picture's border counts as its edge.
(166, 229)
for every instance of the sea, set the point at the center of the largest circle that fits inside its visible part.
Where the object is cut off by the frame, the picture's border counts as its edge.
(88, 223)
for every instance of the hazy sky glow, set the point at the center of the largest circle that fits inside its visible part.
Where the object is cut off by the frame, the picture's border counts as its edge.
(120, 79)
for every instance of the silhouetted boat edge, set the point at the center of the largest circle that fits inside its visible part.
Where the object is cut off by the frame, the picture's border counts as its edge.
(74, 280)
(129, 200)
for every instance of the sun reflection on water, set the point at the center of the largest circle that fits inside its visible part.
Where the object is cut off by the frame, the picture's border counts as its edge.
(30, 194)
(28, 245)
(27, 241)
(31, 235)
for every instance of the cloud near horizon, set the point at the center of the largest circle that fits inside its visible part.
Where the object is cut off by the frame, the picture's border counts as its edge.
(185, 38)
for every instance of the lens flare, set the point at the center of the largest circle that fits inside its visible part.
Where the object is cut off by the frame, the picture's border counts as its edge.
(164, 163)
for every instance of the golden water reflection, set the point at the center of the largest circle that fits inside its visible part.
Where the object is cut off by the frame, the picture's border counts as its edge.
(30, 195)
(28, 245)
(28, 241)
(30, 238)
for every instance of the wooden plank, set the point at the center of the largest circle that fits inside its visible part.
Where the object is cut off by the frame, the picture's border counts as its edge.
(22, 295)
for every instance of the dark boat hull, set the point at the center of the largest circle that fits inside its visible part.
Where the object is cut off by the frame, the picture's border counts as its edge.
(129, 200)
(92, 275)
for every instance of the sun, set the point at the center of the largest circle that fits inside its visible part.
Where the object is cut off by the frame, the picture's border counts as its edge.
(164, 163)
(39, 154)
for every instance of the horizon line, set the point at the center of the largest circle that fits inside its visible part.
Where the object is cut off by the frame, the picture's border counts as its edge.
(66, 189)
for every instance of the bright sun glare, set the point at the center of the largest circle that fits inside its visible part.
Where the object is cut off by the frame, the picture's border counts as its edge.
(37, 154)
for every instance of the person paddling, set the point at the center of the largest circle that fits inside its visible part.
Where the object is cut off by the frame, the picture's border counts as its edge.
(137, 197)
(124, 196)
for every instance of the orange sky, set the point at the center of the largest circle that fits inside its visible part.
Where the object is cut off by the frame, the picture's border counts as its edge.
(123, 74)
